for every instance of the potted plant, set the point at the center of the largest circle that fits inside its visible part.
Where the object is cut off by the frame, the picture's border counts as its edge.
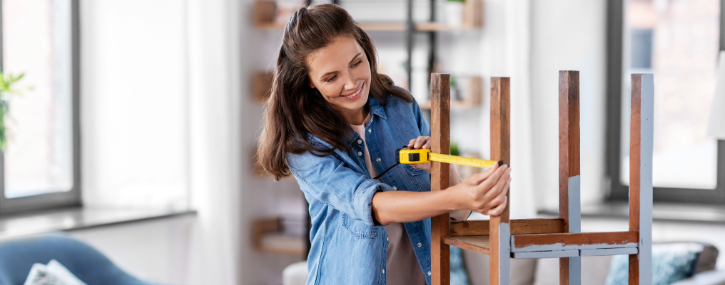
(454, 12)
(8, 89)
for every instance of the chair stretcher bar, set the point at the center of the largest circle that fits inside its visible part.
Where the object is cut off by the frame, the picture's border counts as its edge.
(569, 241)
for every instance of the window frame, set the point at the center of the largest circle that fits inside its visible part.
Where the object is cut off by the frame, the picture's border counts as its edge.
(73, 196)
(616, 190)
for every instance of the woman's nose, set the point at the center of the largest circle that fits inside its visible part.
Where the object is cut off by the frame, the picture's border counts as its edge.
(350, 82)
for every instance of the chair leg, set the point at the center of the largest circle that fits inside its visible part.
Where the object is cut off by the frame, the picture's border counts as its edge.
(640, 177)
(499, 227)
(569, 171)
(440, 143)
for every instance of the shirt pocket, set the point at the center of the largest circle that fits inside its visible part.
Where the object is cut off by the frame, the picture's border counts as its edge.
(419, 178)
(414, 171)
(358, 229)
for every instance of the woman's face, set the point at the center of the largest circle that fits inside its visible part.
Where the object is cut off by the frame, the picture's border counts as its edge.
(341, 72)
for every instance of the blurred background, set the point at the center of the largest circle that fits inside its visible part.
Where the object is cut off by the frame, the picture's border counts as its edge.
(136, 128)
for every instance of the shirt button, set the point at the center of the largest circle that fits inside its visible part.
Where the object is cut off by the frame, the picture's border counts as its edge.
(378, 159)
(387, 238)
(359, 153)
(370, 130)
(395, 188)
(428, 273)
(419, 244)
(359, 141)
(383, 271)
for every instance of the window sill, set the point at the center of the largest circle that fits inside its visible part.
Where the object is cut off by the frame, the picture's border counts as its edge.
(661, 212)
(79, 218)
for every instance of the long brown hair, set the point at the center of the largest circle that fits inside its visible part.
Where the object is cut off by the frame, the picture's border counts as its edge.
(295, 110)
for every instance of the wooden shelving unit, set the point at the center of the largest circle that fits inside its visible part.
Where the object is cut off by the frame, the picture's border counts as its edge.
(426, 27)
(268, 237)
(264, 19)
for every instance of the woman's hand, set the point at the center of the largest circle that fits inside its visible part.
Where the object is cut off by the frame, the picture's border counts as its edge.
(420, 142)
(485, 192)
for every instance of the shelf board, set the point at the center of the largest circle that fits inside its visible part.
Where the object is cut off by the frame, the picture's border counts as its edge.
(478, 244)
(441, 27)
(268, 237)
(429, 27)
(276, 243)
(454, 105)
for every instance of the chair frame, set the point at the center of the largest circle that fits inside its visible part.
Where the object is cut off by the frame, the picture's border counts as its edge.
(502, 238)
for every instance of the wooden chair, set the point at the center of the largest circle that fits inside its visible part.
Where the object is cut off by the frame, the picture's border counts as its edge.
(502, 238)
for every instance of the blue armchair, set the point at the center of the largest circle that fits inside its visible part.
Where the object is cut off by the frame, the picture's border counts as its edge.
(85, 262)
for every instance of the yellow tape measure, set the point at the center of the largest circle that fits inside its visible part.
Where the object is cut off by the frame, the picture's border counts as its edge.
(412, 156)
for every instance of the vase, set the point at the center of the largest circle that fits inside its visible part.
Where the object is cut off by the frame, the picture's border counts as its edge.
(454, 13)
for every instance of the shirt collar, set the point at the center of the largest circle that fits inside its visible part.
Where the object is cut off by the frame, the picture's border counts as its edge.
(376, 108)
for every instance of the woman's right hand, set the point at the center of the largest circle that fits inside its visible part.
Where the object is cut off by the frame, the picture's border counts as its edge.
(485, 192)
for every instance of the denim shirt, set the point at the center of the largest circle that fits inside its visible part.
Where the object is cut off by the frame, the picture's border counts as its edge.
(348, 246)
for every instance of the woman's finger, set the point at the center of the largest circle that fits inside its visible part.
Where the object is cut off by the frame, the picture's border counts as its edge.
(501, 191)
(426, 143)
(481, 176)
(487, 184)
(498, 209)
(419, 141)
(411, 143)
(499, 186)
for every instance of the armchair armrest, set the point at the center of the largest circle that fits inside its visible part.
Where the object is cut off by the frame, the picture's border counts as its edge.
(712, 277)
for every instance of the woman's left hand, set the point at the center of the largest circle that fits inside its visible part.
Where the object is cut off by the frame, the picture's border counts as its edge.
(417, 143)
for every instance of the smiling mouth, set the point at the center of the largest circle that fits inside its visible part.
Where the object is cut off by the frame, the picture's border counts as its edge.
(356, 94)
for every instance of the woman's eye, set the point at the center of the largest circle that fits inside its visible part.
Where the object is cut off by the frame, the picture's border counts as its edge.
(331, 79)
(357, 63)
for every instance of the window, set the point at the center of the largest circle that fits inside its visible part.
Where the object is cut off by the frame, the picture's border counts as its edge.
(677, 41)
(41, 163)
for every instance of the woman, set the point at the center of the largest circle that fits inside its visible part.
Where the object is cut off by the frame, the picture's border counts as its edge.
(334, 123)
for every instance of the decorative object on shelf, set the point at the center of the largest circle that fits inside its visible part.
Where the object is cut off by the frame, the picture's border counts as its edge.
(262, 86)
(716, 127)
(264, 12)
(266, 16)
(454, 149)
(473, 14)
(454, 12)
(455, 90)
(285, 10)
(464, 171)
(8, 89)
(471, 95)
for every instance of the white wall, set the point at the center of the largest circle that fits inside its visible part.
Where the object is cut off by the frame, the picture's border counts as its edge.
(161, 127)
(134, 103)
(568, 35)
(154, 251)
(168, 121)
(134, 130)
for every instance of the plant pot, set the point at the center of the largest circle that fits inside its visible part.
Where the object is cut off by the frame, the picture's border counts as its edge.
(454, 13)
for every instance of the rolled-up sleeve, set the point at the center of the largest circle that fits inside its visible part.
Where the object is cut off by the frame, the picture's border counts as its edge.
(329, 180)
